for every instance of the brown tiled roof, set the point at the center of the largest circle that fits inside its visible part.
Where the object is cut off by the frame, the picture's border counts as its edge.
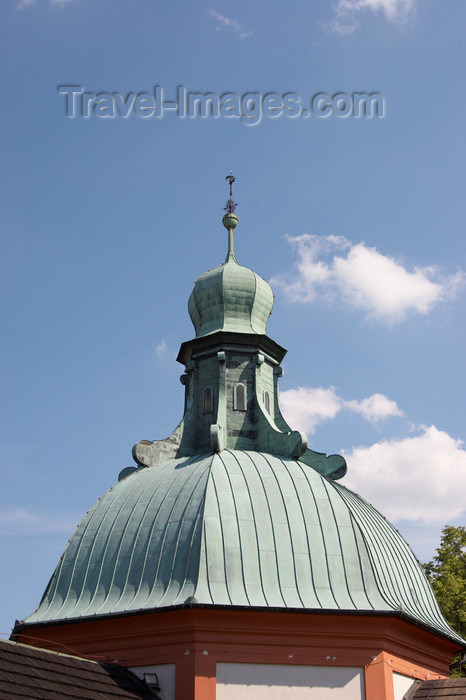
(28, 673)
(443, 688)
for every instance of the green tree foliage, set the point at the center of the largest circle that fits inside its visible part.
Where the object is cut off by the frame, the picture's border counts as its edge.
(447, 576)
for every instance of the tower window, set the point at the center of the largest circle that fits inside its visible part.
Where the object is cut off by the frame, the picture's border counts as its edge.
(267, 401)
(208, 400)
(239, 398)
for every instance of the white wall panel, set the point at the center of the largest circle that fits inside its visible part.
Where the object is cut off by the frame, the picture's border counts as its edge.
(165, 674)
(274, 682)
(401, 684)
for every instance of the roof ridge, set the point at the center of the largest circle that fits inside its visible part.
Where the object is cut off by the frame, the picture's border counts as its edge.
(31, 647)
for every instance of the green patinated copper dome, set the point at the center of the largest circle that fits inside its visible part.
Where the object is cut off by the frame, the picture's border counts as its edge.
(233, 509)
(236, 528)
(231, 297)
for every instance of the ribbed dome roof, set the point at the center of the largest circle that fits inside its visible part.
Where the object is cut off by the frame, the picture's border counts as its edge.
(230, 297)
(236, 529)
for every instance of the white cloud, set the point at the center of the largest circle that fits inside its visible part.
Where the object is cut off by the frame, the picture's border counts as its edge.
(307, 407)
(233, 24)
(364, 279)
(162, 347)
(347, 13)
(375, 408)
(420, 478)
(24, 520)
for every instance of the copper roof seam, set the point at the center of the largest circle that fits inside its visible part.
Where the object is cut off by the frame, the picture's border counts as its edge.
(276, 583)
(385, 587)
(272, 528)
(299, 465)
(268, 592)
(255, 511)
(157, 487)
(307, 474)
(124, 516)
(375, 562)
(85, 588)
(337, 494)
(196, 533)
(421, 590)
(416, 612)
(122, 538)
(214, 486)
(322, 529)
(362, 557)
(88, 556)
(254, 468)
(368, 574)
(48, 597)
(183, 517)
(154, 517)
(241, 553)
(203, 556)
(135, 547)
(222, 275)
(359, 535)
(244, 541)
(165, 531)
(205, 544)
(135, 540)
(425, 604)
(290, 533)
(254, 303)
(376, 536)
(56, 580)
(398, 556)
(337, 528)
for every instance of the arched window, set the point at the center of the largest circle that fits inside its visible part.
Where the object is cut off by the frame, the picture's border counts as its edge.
(240, 398)
(267, 401)
(208, 400)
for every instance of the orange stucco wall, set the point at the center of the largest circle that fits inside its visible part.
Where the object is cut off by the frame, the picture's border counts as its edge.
(195, 639)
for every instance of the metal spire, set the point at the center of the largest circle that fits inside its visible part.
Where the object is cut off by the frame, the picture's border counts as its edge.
(230, 206)
(230, 219)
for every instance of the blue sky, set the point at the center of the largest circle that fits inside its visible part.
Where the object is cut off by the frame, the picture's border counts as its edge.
(106, 222)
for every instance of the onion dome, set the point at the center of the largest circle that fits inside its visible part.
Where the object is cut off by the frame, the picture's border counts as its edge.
(242, 529)
(230, 297)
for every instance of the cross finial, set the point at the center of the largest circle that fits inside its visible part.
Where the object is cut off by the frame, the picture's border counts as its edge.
(230, 206)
